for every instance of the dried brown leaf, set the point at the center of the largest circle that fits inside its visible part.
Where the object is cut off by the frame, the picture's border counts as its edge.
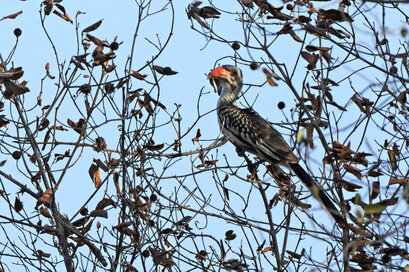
(94, 173)
(334, 15)
(13, 89)
(12, 16)
(95, 40)
(45, 212)
(155, 147)
(101, 165)
(47, 71)
(392, 160)
(375, 190)
(12, 74)
(77, 126)
(116, 182)
(372, 172)
(304, 19)
(230, 235)
(81, 222)
(63, 16)
(100, 144)
(47, 195)
(296, 255)
(101, 58)
(398, 181)
(198, 134)
(288, 29)
(310, 58)
(353, 170)
(350, 187)
(18, 205)
(109, 68)
(105, 202)
(93, 26)
(99, 213)
(247, 3)
(137, 75)
(167, 71)
(269, 76)
(109, 87)
(43, 254)
(208, 12)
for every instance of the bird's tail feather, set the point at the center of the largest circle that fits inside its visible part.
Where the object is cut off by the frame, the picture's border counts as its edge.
(318, 193)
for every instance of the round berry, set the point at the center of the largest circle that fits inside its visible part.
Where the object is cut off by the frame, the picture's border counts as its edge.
(393, 70)
(254, 66)
(289, 7)
(236, 46)
(281, 105)
(114, 45)
(16, 155)
(145, 253)
(84, 211)
(153, 197)
(17, 32)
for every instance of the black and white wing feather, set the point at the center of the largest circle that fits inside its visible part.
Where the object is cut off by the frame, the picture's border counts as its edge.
(250, 132)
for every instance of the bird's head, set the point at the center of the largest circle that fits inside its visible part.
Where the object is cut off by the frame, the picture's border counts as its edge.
(229, 80)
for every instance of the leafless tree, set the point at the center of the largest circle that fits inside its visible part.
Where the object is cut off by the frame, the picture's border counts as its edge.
(156, 189)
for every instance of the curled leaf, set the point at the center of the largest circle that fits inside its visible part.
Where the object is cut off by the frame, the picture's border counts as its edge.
(47, 71)
(100, 144)
(18, 205)
(375, 190)
(13, 89)
(392, 160)
(137, 75)
(334, 15)
(94, 174)
(99, 213)
(310, 58)
(76, 126)
(167, 71)
(12, 74)
(269, 76)
(230, 235)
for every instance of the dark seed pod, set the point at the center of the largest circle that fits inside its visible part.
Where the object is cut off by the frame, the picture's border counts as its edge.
(145, 253)
(114, 46)
(153, 197)
(17, 32)
(85, 88)
(16, 155)
(254, 66)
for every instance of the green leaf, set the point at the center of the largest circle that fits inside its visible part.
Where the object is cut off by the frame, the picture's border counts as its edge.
(374, 208)
(357, 200)
(301, 136)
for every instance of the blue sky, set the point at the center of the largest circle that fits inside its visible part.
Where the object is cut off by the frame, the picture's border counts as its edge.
(190, 54)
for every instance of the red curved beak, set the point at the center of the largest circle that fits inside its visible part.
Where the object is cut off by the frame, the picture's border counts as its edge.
(218, 72)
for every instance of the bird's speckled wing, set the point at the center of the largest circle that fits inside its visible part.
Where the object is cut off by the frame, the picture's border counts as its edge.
(246, 129)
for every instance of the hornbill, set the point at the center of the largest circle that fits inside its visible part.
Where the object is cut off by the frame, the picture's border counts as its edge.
(248, 131)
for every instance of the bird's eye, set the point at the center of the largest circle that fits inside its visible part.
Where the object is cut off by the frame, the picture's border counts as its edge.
(234, 73)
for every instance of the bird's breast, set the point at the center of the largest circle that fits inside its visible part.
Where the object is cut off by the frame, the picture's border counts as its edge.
(237, 121)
